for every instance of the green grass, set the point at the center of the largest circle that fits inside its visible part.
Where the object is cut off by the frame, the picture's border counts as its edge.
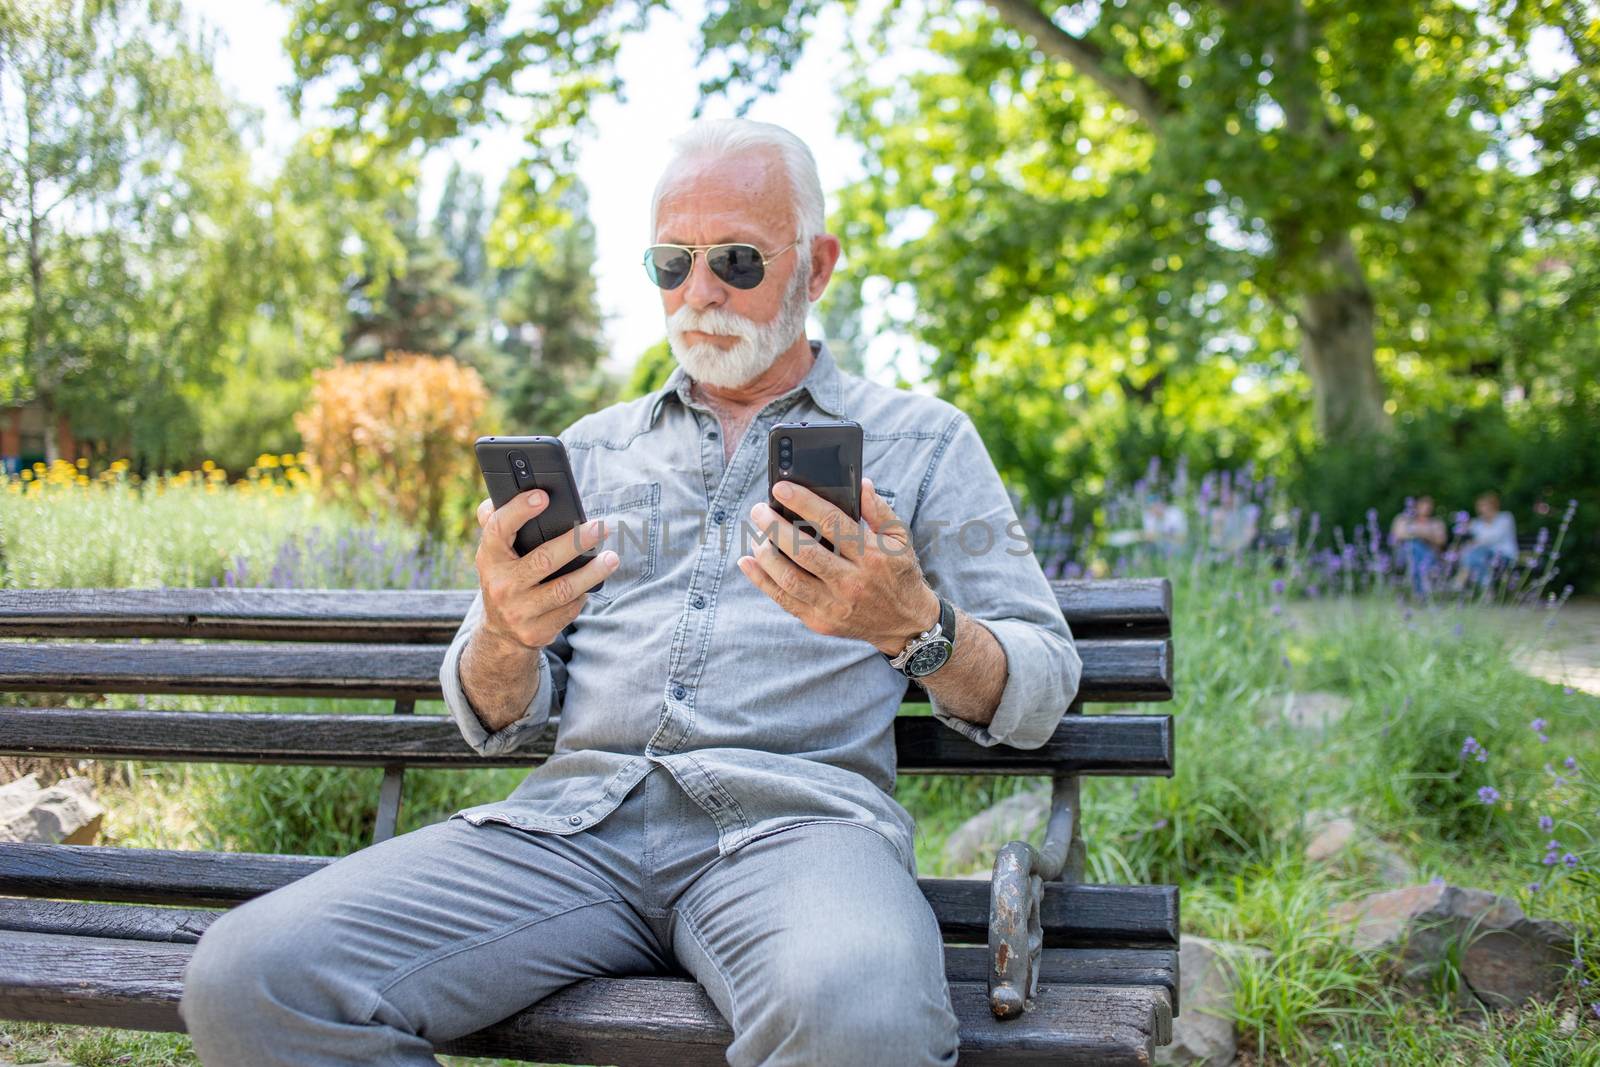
(1227, 827)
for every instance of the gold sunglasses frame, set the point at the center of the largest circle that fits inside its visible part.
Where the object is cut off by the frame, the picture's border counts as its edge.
(706, 250)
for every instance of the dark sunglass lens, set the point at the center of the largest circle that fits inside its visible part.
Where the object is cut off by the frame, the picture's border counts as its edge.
(738, 265)
(667, 267)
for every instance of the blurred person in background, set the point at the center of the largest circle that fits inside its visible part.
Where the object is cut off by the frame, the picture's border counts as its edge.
(1418, 535)
(1491, 543)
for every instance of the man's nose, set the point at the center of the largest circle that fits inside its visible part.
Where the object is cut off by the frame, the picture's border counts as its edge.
(703, 289)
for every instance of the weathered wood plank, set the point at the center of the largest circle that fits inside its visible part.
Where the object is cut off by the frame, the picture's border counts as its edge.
(1073, 915)
(1086, 744)
(624, 1021)
(1120, 607)
(1130, 670)
(965, 963)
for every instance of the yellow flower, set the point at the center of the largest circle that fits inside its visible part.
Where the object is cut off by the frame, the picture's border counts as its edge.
(287, 458)
(206, 465)
(82, 462)
(266, 459)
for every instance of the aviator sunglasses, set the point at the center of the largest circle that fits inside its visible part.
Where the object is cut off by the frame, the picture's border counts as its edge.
(741, 266)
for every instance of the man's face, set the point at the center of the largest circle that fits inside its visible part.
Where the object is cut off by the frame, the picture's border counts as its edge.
(723, 335)
(1425, 507)
(1487, 508)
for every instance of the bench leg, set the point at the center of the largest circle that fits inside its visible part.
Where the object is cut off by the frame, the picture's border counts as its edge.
(389, 793)
(1016, 937)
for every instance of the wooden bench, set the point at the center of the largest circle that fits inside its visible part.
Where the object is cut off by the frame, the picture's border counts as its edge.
(1042, 967)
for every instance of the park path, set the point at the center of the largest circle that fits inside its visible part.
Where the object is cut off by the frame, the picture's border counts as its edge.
(1565, 653)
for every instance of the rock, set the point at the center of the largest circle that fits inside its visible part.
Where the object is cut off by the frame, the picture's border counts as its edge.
(1333, 838)
(978, 839)
(1203, 1032)
(1315, 710)
(1338, 841)
(1505, 957)
(63, 813)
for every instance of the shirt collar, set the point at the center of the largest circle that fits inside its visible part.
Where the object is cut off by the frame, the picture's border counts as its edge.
(821, 382)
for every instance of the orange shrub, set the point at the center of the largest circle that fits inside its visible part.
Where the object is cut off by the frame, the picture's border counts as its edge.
(395, 437)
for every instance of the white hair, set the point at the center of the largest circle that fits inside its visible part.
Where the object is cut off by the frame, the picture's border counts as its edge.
(716, 138)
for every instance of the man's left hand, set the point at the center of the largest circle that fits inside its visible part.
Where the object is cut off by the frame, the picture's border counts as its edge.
(869, 586)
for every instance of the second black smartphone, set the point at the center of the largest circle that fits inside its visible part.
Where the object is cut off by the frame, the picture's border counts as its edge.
(825, 457)
(513, 465)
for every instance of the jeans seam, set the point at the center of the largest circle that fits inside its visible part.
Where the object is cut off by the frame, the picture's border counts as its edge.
(699, 939)
(492, 936)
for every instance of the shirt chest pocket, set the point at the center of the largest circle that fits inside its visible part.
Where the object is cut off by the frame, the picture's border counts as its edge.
(633, 532)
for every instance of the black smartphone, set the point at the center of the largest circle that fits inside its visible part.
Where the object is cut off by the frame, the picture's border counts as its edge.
(513, 465)
(825, 457)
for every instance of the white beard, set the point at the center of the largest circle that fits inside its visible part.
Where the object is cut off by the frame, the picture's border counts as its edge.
(759, 345)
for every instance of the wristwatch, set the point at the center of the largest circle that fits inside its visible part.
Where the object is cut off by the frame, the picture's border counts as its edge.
(929, 650)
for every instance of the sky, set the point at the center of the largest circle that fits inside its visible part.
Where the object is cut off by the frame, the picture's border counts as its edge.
(619, 163)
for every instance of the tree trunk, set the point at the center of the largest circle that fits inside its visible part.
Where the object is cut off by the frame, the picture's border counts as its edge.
(1337, 342)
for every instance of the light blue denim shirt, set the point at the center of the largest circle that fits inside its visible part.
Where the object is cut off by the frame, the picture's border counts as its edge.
(679, 660)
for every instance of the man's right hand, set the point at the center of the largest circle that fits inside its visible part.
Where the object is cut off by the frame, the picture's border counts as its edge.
(518, 605)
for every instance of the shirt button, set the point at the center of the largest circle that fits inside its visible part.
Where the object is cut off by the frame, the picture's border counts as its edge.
(711, 435)
(679, 692)
(575, 819)
(699, 601)
(719, 516)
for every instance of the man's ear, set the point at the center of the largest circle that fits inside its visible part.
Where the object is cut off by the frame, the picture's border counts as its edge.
(824, 257)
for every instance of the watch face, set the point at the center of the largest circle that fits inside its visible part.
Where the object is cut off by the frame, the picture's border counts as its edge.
(928, 658)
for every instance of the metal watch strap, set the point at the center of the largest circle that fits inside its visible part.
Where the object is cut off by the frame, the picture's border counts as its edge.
(944, 628)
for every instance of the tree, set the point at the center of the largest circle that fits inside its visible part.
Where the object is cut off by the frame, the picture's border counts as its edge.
(413, 302)
(1323, 151)
(550, 323)
(121, 212)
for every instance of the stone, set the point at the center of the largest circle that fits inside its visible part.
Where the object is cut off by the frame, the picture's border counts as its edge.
(1315, 710)
(1505, 958)
(978, 839)
(1203, 1032)
(1338, 841)
(63, 813)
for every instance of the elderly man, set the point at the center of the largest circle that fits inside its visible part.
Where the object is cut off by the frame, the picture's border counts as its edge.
(721, 788)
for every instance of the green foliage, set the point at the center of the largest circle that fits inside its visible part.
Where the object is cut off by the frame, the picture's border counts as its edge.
(124, 216)
(651, 371)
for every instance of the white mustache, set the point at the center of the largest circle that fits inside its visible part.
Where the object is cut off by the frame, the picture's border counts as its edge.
(713, 321)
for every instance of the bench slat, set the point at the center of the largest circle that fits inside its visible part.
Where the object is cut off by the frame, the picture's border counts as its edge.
(624, 1021)
(1089, 744)
(1131, 670)
(1072, 915)
(1108, 608)
(966, 963)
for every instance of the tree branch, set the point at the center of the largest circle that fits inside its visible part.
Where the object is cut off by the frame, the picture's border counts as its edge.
(1086, 56)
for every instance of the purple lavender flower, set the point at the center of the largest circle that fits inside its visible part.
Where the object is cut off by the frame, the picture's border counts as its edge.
(1537, 726)
(1533, 887)
(1570, 860)
(1489, 794)
(1549, 859)
(1570, 763)
(1469, 746)
(1546, 823)
(1278, 587)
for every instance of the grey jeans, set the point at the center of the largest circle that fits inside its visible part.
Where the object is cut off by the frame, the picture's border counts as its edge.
(814, 942)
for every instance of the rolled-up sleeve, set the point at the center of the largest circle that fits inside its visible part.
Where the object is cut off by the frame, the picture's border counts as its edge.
(546, 698)
(974, 553)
